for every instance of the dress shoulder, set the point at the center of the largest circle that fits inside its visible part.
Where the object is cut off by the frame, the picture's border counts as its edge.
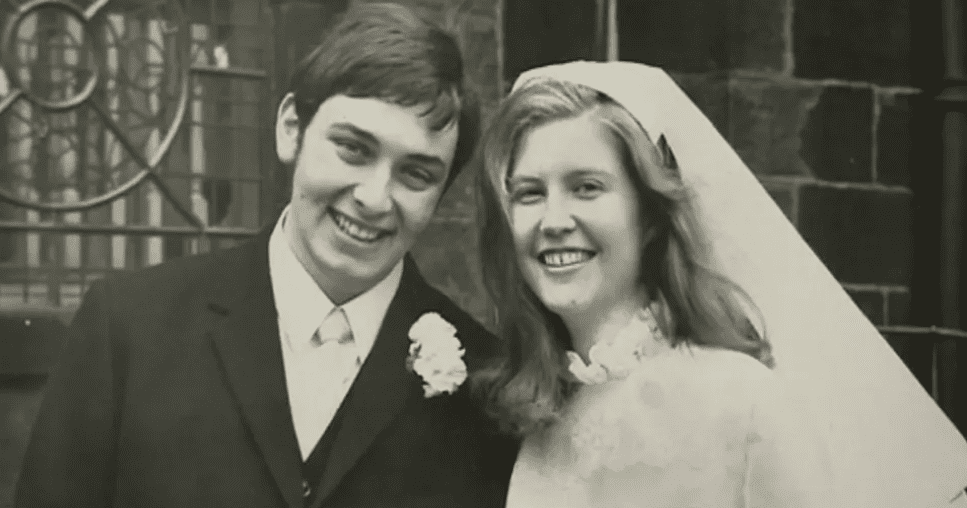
(718, 379)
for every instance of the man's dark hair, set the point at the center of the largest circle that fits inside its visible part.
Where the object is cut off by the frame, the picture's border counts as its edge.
(386, 51)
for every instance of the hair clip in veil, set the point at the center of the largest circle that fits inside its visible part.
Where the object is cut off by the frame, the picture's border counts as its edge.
(667, 156)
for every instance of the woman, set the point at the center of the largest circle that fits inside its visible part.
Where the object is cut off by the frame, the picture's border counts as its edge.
(638, 267)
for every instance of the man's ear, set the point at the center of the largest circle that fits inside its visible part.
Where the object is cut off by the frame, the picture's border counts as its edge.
(287, 130)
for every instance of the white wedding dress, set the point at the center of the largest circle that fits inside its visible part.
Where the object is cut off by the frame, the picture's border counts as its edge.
(683, 427)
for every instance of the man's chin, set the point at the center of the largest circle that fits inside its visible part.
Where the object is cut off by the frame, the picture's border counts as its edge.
(359, 270)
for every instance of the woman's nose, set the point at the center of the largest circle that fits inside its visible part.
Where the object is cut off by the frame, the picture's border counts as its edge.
(557, 219)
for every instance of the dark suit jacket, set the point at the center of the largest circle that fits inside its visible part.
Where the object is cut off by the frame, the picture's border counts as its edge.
(171, 393)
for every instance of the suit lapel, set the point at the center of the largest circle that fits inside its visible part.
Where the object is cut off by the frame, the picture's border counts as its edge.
(383, 386)
(246, 340)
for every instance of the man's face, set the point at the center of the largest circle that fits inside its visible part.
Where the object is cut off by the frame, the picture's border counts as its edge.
(367, 180)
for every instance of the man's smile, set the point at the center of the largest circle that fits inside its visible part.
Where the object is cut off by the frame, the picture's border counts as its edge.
(357, 230)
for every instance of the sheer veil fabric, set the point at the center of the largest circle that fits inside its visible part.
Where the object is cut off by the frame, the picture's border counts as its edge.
(890, 444)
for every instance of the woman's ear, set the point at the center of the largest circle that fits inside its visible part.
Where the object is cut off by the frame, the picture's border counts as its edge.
(287, 130)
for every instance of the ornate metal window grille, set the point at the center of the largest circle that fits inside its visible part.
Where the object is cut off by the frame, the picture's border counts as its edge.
(131, 132)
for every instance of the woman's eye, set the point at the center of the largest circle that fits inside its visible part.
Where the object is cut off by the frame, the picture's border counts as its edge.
(526, 196)
(588, 189)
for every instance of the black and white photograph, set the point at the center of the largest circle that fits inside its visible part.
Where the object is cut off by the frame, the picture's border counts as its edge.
(483, 253)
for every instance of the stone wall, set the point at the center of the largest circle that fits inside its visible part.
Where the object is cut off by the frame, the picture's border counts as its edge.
(815, 97)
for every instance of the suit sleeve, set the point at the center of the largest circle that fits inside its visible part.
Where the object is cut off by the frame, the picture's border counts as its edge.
(69, 458)
(788, 461)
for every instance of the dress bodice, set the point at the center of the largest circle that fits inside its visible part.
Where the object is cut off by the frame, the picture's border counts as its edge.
(680, 427)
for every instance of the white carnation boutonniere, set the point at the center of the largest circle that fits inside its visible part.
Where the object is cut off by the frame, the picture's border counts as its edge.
(436, 355)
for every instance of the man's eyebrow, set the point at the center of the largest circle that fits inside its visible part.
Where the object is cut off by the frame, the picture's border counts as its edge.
(369, 137)
(429, 160)
(362, 133)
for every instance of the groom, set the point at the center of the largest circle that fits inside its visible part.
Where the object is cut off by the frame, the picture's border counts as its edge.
(280, 373)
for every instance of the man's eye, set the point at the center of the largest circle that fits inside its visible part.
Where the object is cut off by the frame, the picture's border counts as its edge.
(351, 151)
(417, 177)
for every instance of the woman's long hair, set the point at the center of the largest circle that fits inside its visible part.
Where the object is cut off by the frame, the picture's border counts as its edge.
(529, 384)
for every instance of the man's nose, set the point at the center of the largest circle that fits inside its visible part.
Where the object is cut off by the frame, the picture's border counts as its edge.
(558, 218)
(372, 191)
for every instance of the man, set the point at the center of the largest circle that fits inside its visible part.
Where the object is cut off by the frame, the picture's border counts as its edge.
(312, 366)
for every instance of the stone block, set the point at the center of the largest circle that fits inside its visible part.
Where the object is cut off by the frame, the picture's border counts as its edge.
(703, 35)
(893, 139)
(837, 142)
(784, 194)
(459, 202)
(856, 40)
(478, 42)
(871, 303)
(449, 259)
(299, 27)
(473, 23)
(898, 308)
(863, 236)
(916, 355)
(441, 10)
(710, 92)
(767, 120)
(758, 38)
(678, 35)
(539, 32)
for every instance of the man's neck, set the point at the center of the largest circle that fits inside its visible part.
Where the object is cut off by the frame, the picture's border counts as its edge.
(339, 290)
(339, 293)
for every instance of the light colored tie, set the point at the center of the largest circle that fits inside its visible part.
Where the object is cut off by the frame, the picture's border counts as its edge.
(335, 334)
(335, 328)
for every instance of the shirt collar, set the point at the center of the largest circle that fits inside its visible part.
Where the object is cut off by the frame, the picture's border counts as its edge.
(302, 305)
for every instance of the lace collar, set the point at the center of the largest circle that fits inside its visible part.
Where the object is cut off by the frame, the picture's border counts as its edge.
(616, 358)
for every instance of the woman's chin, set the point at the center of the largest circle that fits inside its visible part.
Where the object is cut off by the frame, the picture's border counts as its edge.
(567, 304)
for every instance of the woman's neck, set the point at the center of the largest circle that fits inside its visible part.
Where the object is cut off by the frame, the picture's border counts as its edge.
(588, 327)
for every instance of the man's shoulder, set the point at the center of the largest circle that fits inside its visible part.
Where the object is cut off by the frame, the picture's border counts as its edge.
(174, 277)
(480, 344)
(455, 314)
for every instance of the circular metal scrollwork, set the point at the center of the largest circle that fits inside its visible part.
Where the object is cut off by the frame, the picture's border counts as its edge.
(95, 96)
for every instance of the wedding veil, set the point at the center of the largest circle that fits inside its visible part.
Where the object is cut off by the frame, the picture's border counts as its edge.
(890, 445)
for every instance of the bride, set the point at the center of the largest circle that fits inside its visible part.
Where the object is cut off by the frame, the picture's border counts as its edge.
(670, 339)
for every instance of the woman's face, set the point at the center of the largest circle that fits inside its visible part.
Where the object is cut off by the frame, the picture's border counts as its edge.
(575, 217)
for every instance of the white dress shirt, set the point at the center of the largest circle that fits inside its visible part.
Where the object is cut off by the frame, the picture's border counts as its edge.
(315, 392)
